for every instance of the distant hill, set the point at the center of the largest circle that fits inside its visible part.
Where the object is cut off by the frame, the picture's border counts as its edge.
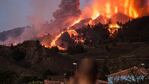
(11, 33)
(16, 35)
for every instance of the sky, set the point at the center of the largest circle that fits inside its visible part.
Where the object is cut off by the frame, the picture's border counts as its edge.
(17, 13)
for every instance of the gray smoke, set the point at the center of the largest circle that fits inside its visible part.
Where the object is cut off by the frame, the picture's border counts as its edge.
(68, 12)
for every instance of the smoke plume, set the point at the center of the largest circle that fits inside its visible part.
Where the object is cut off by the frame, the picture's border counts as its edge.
(68, 12)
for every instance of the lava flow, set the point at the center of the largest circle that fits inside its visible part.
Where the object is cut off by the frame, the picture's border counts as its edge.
(71, 33)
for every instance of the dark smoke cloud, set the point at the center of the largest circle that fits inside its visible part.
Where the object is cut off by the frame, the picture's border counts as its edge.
(69, 10)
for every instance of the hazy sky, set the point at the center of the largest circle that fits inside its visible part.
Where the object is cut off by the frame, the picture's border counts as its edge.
(16, 13)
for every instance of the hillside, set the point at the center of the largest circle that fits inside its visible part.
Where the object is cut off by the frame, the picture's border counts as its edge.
(14, 33)
(31, 59)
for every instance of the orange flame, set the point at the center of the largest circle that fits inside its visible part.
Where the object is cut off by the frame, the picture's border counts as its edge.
(110, 7)
(72, 33)
(53, 43)
(75, 22)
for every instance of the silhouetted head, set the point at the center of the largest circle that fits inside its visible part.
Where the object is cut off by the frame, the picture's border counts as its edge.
(88, 66)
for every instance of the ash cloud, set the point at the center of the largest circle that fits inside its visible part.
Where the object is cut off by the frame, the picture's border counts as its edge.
(68, 12)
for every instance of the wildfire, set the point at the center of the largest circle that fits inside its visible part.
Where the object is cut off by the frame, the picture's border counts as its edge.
(105, 8)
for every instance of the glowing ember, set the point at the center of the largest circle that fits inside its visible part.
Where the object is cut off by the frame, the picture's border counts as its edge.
(113, 29)
(75, 22)
(72, 33)
(53, 43)
(79, 40)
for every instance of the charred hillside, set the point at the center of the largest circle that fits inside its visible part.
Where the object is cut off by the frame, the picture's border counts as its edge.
(136, 30)
(31, 59)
